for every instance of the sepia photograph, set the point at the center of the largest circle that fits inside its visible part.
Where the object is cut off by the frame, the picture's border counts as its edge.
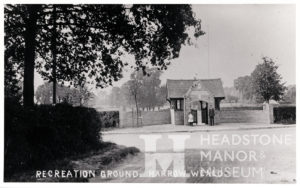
(149, 93)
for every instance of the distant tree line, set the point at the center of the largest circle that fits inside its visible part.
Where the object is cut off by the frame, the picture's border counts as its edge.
(140, 91)
(79, 96)
(290, 95)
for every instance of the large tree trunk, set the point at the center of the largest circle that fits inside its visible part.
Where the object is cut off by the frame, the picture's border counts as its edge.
(29, 36)
(54, 36)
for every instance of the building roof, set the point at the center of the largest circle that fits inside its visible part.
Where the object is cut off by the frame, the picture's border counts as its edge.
(178, 88)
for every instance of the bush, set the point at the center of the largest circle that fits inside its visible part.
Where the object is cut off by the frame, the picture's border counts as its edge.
(285, 114)
(34, 136)
(109, 119)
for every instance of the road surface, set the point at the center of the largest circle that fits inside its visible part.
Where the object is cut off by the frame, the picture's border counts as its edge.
(243, 156)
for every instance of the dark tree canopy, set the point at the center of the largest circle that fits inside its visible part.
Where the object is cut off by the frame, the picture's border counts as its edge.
(266, 81)
(89, 40)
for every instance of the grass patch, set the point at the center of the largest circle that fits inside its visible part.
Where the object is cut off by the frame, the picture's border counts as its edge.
(107, 156)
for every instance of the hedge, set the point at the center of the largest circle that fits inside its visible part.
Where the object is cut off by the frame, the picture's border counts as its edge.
(285, 114)
(109, 119)
(42, 133)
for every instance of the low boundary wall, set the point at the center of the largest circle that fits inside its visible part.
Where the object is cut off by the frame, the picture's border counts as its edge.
(129, 119)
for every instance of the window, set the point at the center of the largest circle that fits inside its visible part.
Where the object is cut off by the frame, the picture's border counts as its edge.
(173, 104)
(217, 104)
(179, 104)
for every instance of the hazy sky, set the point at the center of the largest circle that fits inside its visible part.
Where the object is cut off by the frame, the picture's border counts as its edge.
(237, 37)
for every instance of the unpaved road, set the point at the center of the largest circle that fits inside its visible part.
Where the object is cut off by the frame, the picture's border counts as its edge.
(277, 161)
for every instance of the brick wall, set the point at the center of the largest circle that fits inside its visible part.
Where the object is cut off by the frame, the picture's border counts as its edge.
(230, 115)
(242, 116)
(128, 119)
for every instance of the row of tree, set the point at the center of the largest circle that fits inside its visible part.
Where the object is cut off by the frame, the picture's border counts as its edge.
(80, 96)
(141, 91)
(264, 84)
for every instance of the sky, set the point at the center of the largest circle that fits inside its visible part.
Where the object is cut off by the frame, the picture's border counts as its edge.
(237, 37)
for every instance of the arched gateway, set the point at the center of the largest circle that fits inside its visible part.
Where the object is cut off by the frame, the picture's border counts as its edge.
(195, 96)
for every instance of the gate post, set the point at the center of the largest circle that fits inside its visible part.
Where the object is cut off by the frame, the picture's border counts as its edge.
(121, 117)
(269, 112)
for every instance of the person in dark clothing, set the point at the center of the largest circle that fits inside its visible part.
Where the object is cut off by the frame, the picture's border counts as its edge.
(211, 114)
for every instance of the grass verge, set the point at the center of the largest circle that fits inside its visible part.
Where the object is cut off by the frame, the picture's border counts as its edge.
(107, 156)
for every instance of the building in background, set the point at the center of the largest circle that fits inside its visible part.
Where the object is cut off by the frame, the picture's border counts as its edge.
(195, 96)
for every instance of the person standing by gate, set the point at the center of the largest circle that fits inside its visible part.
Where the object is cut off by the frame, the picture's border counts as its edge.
(211, 115)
